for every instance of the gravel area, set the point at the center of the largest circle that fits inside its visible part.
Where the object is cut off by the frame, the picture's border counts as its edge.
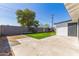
(5, 49)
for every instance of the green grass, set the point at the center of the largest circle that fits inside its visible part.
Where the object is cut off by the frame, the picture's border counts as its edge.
(41, 35)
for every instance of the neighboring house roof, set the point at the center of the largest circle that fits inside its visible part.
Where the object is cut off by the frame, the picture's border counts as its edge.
(63, 22)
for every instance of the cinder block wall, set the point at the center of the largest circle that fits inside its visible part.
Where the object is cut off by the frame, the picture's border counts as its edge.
(0, 30)
(17, 30)
(12, 30)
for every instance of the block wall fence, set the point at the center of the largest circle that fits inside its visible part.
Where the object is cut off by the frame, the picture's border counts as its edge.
(17, 30)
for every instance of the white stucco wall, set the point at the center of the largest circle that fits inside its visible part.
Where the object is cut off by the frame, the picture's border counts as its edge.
(62, 29)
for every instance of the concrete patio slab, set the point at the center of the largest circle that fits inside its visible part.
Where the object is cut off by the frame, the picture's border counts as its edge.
(51, 46)
(24, 50)
(29, 41)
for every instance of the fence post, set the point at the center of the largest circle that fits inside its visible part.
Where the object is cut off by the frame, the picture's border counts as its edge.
(0, 30)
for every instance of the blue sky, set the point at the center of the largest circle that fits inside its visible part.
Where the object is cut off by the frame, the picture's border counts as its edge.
(43, 12)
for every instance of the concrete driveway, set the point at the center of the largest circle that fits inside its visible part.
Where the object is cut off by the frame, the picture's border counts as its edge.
(51, 46)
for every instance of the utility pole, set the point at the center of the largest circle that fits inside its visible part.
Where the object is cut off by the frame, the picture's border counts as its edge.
(52, 23)
(52, 20)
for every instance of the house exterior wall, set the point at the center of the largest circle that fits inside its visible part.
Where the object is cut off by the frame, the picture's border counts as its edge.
(73, 10)
(62, 29)
(72, 29)
(78, 29)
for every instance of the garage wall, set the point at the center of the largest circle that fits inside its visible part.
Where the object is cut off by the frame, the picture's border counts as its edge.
(62, 29)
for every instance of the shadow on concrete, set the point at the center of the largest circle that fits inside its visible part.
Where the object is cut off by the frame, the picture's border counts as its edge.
(5, 49)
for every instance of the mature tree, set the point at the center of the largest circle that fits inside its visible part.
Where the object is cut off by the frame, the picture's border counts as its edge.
(46, 25)
(36, 23)
(26, 17)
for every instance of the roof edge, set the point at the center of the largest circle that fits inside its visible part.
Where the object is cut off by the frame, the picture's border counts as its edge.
(62, 22)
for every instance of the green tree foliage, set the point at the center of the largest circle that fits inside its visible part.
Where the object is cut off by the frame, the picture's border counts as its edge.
(26, 17)
(36, 23)
(46, 25)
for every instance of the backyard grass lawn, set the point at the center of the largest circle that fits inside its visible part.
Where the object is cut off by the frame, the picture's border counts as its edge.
(41, 35)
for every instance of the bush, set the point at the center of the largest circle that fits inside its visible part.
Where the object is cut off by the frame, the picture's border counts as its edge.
(33, 30)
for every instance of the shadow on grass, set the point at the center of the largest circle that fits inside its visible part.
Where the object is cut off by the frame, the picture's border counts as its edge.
(5, 49)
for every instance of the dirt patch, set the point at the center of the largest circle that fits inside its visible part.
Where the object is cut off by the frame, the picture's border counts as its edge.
(13, 39)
